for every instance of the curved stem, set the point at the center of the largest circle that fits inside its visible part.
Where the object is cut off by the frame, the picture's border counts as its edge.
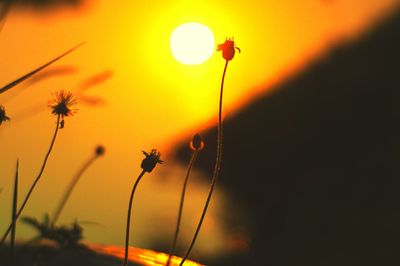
(128, 220)
(35, 182)
(71, 186)
(178, 223)
(216, 168)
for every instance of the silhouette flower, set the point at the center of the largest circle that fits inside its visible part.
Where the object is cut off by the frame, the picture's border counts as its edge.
(62, 104)
(100, 150)
(197, 143)
(147, 165)
(3, 116)
(151, 160)
(228, 49)
(228, 52)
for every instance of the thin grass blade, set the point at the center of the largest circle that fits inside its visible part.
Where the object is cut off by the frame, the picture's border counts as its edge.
(5, 8)
(14, 216)
(21, 79)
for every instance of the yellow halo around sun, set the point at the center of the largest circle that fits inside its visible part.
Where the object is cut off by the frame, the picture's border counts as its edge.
(192, 43)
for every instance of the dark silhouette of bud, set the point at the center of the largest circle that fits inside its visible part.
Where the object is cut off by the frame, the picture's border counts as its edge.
(100, 150)
(197, 143)
(228, 49)
(3, 116)
(151, 160)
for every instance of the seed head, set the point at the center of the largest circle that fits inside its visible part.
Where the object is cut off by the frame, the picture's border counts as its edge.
(3, 116)
(197, 143)
(62, 103)
(228, 49)
(151, 160)
(100, 150)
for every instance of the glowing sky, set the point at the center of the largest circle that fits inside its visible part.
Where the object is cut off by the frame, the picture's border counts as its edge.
(152, 99)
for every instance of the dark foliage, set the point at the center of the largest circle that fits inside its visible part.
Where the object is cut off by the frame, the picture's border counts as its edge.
(64, 236)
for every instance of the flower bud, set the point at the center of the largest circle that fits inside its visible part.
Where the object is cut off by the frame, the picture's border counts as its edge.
(151, 160)
(228, 49)
(3, 116)
(197, 143)
(100, 150)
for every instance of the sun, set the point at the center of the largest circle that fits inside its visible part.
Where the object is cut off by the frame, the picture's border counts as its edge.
(192, 43)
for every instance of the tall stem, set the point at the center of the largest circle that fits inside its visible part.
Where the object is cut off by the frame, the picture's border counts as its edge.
(71, 186)
(35, 182)
(216, 168)
(128, 220)
(178, 223)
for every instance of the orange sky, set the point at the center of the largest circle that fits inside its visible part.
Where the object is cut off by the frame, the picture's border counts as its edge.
(151, 99)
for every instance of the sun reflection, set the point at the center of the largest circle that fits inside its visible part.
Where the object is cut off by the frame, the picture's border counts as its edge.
(140, 256)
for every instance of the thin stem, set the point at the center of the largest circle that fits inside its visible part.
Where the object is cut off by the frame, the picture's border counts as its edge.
(35, 182)
(71, 186)
(178, 223)
(14, 215)
(216, 168)
(128, 220)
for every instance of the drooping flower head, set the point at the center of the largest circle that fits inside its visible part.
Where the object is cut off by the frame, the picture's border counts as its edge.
(3, 116)
(197, 143)
(151, 160)
(228, 49)
(62, 103)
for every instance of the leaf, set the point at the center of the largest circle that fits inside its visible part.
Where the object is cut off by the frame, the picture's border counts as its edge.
(4, 9)
(14, 215)
(26, 76)
(32, 222)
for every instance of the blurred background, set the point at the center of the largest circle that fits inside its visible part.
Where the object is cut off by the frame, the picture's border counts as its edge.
(309, 174)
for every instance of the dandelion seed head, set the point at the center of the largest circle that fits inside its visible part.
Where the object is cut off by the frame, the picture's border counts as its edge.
(62, 104)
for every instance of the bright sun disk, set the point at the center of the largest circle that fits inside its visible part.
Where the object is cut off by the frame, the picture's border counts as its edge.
(192, 43)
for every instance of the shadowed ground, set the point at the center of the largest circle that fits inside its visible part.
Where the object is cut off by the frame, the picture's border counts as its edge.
(46, 254)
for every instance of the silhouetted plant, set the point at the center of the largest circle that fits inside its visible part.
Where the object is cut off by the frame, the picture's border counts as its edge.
(228, 52)
(14, 215)
(99, 151)
(196, 145)
(3, 116)
(33, 72)
(61, 106)
(64, 236)
(147, 165)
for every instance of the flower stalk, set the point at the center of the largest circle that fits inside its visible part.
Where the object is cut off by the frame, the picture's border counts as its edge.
(196, 146)
(228, 52)
(99, 151)
(61, 105)
(147, 165)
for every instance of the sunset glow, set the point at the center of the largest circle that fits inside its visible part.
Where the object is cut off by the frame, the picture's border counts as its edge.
(148, 76)
(143, 257)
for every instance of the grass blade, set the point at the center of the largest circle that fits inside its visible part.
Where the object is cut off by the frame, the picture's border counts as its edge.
(26, 76)
(5, 8)
(14, 216)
